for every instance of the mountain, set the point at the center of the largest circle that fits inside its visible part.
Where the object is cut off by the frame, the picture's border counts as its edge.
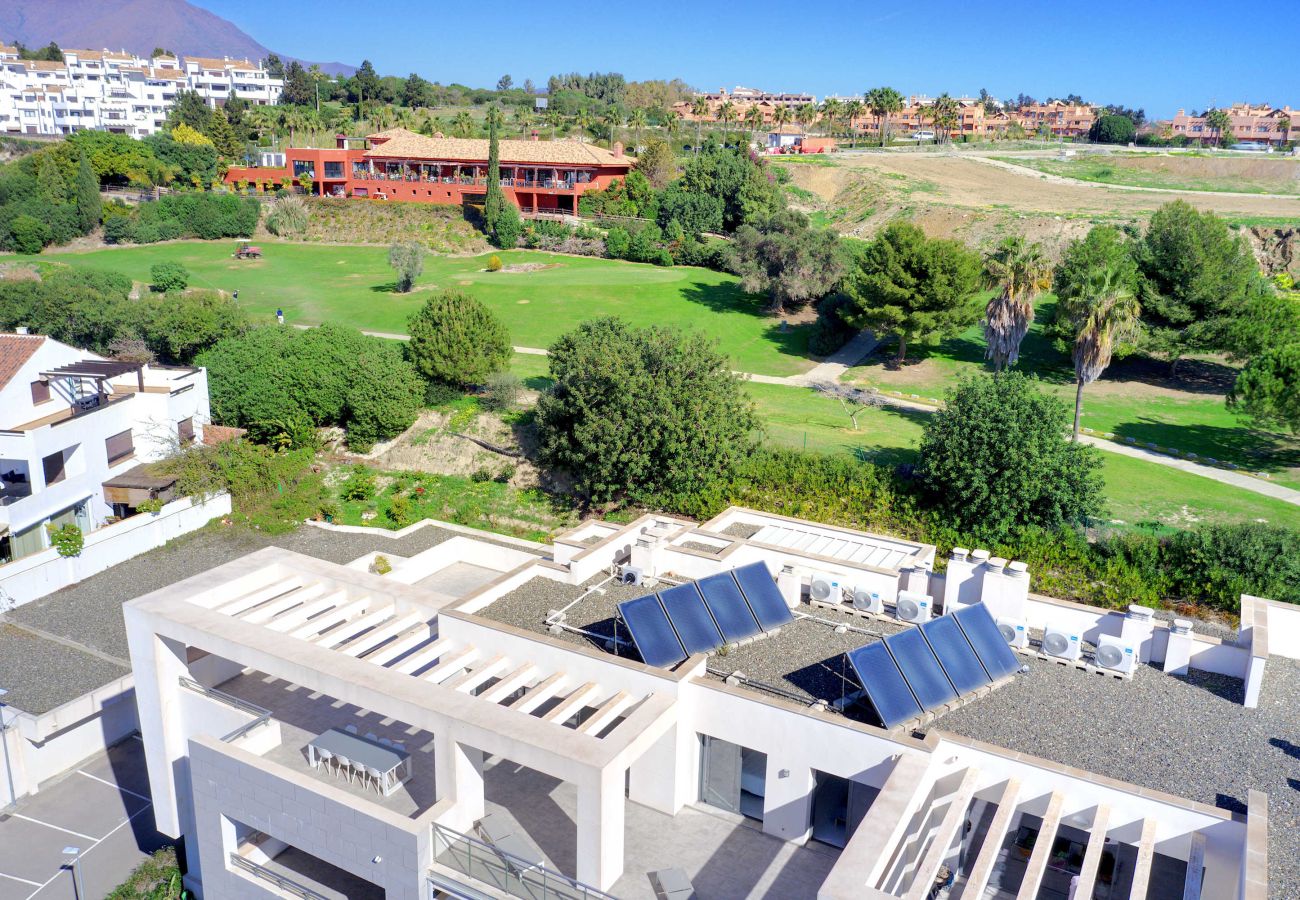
(135, 25)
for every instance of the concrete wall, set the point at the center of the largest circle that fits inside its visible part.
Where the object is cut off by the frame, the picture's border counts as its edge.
(34, 576)
(231, 785)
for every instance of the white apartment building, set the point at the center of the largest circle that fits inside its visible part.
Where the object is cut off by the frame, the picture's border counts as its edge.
(119, 92)
(483, 720)
(76, 433)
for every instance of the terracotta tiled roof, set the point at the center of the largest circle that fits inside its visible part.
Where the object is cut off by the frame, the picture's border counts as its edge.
(208, 62)
(400, 143)
(46, 65)
(15, 350)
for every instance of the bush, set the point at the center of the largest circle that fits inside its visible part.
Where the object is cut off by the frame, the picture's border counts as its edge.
(67, 539)
(830, 332)
(408, 261)
(398, 511)
(509, 228)
(636, 412)
(28, 234)
(481, 475)
(617, 243)
(996, 460)
(360, 485)
(119, 230)
(502, 390)
(288, 216)
(455, 339)
(168, 276)
(494, 263)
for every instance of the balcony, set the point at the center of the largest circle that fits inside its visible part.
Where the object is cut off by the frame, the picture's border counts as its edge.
(80, 407)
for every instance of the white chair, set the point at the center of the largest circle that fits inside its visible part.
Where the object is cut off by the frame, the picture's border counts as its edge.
(386, 742)
(345, 766)
(370, 736)
(378, 778)
(323, 757)
(350, 729)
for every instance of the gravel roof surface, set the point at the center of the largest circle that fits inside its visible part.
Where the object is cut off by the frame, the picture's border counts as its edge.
(1187, 735)
(528, 605)
(90, 613)
(40, 674)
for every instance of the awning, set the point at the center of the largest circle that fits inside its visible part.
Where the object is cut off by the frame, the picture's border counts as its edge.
(93, 368)
(141, 477)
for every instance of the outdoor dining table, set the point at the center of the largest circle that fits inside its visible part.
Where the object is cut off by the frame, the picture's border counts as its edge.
(362, 751)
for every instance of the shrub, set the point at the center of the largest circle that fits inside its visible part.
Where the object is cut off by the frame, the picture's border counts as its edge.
(481, 475)
(502, 390)
(152, 506)
(118, 230)
(168, 276)
(28, 234)
(288, 216)
(830, 332)
(509, 228)
(494, 263)
(67, 539)
(398, 511)
(617, 243)
(455, 339)
(360, 485)
(408, 261)
(380, 565)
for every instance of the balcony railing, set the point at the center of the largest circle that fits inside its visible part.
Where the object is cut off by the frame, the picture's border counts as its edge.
(261, 716)
(505, 872)
(287, 885)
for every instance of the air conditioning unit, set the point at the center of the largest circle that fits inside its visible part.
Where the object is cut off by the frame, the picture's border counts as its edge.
(826, 588)
(632, 575)
(1061, 644)
(914, 608)
(1115, 654)
(867, 600)
(1014, 632)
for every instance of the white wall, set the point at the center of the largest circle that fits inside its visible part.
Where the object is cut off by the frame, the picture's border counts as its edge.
(34, 576)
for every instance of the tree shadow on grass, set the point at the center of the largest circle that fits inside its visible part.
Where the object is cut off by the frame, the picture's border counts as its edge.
(789, 339)
(1196, 376)
(1251, 449)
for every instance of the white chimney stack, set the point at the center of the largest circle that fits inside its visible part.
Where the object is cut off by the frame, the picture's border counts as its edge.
(960, 586)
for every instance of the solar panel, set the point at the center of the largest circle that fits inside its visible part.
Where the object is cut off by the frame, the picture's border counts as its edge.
(691, 619)
(955, 654)
(919, 666)
(728, 606)
(763, 596)
(884, 684)
(651, 631)
(982, 632)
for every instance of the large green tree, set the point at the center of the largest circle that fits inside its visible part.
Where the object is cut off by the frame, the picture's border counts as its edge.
(787, 259)
(1018, 271)
(455, 339)
(915, 287)
(494, 200)
(86, 195)
(995, 460)
(1268, 388)
(642, 412)
(1197, 276)
(1112, 129)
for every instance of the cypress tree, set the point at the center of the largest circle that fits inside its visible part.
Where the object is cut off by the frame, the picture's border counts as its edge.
(495, 199)
(86, 196)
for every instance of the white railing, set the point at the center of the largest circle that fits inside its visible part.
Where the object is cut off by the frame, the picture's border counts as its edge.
(503, 871)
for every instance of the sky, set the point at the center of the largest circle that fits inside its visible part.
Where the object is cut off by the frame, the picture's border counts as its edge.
(1160, 55)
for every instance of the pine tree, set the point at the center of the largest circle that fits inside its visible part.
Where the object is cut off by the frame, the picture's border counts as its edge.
(222, 134)
(86, 196)
(50, 180)
(495, 199)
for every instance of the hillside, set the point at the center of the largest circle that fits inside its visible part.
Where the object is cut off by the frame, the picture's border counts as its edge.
(135, 25)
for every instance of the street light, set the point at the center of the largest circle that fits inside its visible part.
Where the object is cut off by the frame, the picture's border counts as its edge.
(5, 722)
(75, 865)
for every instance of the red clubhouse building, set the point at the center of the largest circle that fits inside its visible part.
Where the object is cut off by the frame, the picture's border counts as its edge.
(398, 164)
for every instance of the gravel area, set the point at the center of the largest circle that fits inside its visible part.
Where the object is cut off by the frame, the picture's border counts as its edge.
(1188, 736)
(90, 613)
(741, 530)
(528, 605)
(41, 674)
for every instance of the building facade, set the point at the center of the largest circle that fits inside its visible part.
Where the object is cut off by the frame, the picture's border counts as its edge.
(484, 720)
(1252, 123)
(118, 92)
(538, 176)
(77, 430)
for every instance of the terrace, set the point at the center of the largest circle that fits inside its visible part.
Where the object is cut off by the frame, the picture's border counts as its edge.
(459, 173)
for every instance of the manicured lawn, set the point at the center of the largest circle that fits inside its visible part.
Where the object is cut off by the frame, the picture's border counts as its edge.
(1137, 491)
(354, 286)
(1134, 399)
(1173, 176)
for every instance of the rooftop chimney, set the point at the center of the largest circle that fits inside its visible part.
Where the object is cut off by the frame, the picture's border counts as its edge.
(617, 149)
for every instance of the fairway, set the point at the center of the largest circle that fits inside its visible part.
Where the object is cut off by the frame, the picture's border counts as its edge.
(355, 286)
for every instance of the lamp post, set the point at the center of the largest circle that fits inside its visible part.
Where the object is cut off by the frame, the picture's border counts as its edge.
(5, 723)
(75, 865)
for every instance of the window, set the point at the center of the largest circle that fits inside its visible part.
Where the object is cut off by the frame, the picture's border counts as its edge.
(54, 468)
(732, 777)
(333, 170)
(304, 167)
(185, 430)
(119, 446)
(40, 391)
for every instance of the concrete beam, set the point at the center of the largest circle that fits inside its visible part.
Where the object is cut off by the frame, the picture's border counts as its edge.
(1092, 855)
(452, 663)
(572, 703)
(261, 595)
(300, 614)
(1142, 868)
(422, 657)
(607, 712)
(1254, 868)
(982, 871)
(473, 678)
(345, 631)
(510, 683)
(928, 868)
(1195, 868)
(1037, 866)
(278, 606)
(332, 618)
(539, 694)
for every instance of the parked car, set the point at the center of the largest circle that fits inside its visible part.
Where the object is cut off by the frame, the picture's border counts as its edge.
(919, 136)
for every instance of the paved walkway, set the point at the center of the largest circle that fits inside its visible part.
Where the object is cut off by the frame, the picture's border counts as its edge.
(102, 808)
(861, 346)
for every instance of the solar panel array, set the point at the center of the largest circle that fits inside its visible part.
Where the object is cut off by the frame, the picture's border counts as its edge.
(704, 615)
(923, 668)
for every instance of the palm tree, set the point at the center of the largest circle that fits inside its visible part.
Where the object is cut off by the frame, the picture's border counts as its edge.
(852, 111)
(781, 117)
(294, 120)
(523, 118)
(613, 119)
(807, 115)
(673, 126)
(699, 109)
(726, 112)
(495, 117)
(1019, 271)
(638, 122)
(554, 120)
(883, 103)
(943, 115)
(1284, 128)
(1220, 122)
(1104, 313)
(585, 123)
(832, 109)
(463, 125)
(754, 119)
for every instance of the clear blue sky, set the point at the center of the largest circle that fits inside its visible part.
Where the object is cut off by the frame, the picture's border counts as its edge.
(1157, 54)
